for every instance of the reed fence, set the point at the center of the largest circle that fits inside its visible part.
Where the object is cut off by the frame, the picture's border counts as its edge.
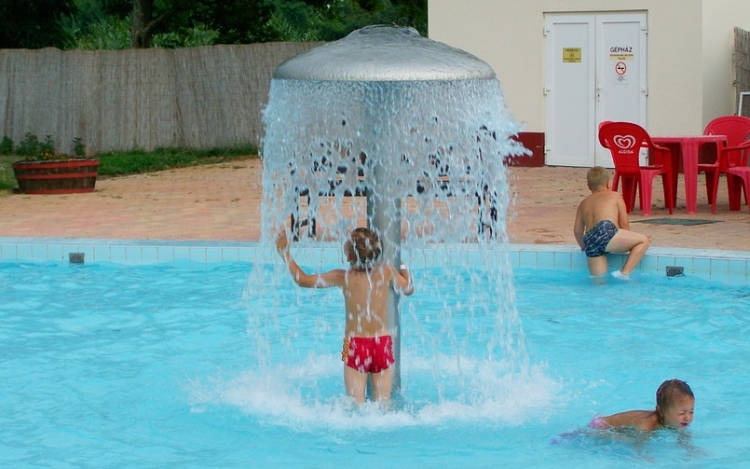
(200, 98)
(741, 62)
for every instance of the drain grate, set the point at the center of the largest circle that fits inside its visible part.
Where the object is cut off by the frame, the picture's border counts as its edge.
(676, 221)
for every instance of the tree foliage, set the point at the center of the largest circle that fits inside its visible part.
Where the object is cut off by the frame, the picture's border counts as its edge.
(328, 20)
(118, 24)
(32, 23)
(97, 24)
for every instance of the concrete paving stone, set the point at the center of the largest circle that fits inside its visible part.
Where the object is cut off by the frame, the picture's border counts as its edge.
(222, 202)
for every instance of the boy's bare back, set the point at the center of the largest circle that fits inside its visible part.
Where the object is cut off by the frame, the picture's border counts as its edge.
(366, 300)
(603, 204)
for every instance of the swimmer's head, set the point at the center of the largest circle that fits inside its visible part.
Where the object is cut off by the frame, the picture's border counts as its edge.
(597, 178)
(675, 404)
(363, 249)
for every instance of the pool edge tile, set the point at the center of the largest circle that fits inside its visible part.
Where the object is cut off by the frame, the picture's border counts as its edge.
(729, 267)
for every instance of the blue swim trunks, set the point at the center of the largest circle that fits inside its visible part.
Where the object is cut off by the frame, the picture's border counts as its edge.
(597, 238)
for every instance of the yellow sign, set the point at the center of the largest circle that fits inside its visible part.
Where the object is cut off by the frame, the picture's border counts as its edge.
(571, 55)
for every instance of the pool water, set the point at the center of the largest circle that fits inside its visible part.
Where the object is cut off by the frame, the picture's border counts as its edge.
(182, 365)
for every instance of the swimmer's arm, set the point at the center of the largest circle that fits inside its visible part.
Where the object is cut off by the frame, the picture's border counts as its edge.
(332, 278)
(328, 279)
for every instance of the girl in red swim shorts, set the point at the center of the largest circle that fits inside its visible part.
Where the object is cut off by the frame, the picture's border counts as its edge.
(366, 284)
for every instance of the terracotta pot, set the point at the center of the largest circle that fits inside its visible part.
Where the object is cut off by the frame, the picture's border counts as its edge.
(56, 177)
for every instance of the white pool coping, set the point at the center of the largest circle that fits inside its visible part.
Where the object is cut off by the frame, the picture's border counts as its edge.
(729, 267)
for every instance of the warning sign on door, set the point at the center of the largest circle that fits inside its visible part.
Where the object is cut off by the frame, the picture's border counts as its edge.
(571, 55)
(621, 68)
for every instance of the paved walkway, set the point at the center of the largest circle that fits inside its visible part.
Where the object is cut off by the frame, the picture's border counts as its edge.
(222, 203)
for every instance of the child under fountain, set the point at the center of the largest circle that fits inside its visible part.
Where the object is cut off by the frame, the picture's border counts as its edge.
(368, 347)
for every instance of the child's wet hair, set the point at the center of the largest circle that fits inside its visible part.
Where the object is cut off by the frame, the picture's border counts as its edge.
(669, 391)
(366, 247)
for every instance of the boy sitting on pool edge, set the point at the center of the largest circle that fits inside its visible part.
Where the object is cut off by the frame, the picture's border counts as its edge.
(366, 284)
(601, 226)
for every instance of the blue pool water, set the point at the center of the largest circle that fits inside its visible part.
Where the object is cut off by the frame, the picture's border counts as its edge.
(182, 365)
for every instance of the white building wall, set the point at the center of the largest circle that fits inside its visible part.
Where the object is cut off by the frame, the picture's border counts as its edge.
(718, 47)
(690, 46)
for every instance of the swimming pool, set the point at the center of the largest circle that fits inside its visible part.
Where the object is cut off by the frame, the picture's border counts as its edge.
(166, 364)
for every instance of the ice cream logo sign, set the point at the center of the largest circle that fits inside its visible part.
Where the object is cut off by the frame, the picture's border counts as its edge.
(625, 143)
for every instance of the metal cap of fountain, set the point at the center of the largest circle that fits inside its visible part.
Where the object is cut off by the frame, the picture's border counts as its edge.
(384, 53)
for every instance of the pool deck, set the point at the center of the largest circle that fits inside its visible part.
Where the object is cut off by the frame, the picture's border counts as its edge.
(222, 203)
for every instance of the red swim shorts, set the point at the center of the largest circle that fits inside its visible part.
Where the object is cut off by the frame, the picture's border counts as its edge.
(368, 354)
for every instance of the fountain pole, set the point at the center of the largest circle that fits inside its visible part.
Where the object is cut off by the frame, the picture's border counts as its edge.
(386, 221)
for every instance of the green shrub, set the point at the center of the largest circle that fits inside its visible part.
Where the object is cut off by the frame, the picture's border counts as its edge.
(29, 145)
(6, 146)
(135, 162)
(48, 146)
(79, 148)
(33, 149)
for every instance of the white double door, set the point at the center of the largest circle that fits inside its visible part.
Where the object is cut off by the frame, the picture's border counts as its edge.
(595, 71)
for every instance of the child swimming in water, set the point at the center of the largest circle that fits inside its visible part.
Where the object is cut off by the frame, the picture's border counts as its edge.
(366, 284)
(675, 404)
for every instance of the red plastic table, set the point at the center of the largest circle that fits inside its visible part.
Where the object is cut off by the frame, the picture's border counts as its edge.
(689, 145)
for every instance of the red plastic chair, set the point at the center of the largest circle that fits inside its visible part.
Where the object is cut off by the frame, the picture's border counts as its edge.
(601, 140)
(616, 177)
(625, 140)
(730, 160)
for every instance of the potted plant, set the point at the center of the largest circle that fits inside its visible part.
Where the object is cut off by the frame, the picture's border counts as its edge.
(42, 171)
